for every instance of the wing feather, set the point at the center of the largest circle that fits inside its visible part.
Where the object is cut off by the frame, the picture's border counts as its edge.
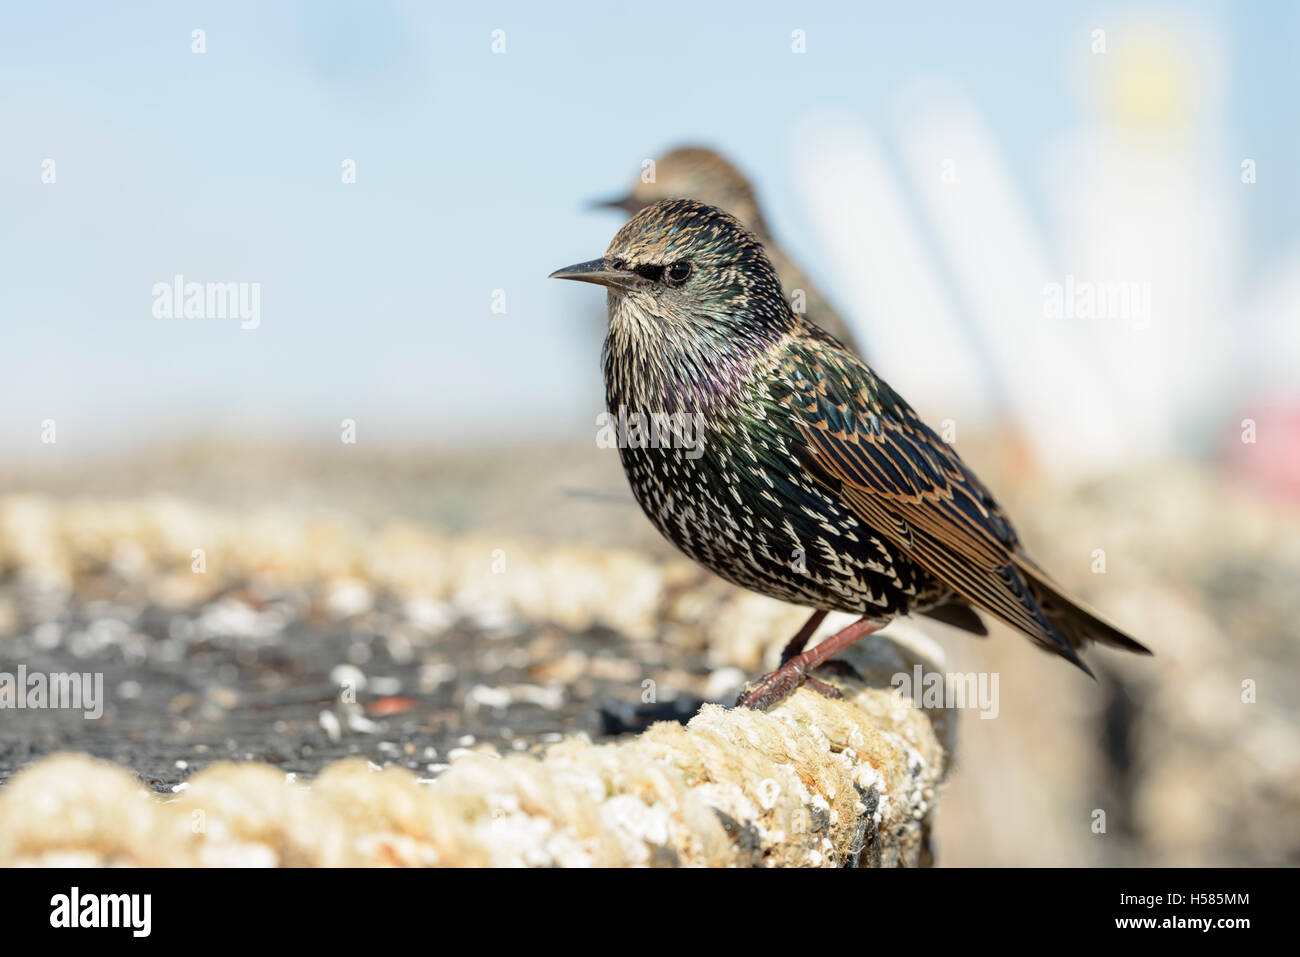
(904, 481)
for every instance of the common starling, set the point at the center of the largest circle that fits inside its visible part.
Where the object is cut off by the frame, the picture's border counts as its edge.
(769, 453)
(692, 172)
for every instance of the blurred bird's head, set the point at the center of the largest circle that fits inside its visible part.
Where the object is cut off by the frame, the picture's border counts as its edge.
(693, 173)
(681, 268)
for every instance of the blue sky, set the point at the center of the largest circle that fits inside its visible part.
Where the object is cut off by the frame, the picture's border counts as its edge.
(472, 172)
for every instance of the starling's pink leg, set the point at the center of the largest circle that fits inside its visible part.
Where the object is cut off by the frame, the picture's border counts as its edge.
(780, 684)
(798, 641)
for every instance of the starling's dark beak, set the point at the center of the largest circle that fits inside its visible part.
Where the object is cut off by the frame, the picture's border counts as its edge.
(598, 271)
(629, 203)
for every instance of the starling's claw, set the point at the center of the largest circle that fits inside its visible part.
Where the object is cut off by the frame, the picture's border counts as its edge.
(771, 689)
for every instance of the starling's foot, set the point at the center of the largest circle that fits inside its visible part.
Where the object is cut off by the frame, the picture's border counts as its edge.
(780, 684)
(771, 689)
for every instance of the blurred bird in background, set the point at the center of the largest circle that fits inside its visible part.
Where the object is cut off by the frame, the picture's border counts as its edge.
(807, 478)
(693, 172)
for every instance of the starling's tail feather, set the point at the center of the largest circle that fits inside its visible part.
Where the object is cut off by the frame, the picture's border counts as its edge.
(1078, 624)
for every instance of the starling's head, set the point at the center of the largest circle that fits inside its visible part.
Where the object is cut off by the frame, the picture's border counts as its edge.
(679, 266)
(693, 172)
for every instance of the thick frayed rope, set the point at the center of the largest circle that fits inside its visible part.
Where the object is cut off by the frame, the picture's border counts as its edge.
(816, 782)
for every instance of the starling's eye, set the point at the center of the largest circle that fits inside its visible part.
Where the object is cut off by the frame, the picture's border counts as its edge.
(619, 264)
(677, 273)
